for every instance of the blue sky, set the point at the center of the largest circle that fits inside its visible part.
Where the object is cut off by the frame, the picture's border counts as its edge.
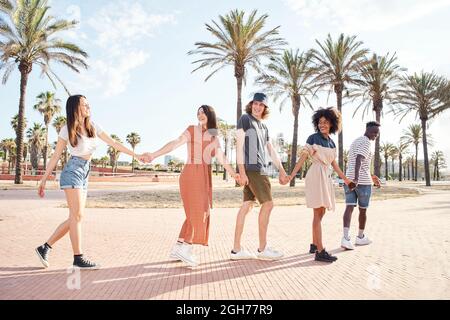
(140, 75)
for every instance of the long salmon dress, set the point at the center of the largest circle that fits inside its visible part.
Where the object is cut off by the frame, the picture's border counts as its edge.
(196, 185)
(319, 188)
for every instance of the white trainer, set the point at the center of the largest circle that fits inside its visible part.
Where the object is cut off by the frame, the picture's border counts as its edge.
(173, 252)
(185, 254)
(242, 255)
(362, 241)
(270, 254)
(347, 244)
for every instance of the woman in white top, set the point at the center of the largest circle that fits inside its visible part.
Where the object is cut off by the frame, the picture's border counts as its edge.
(81, 136)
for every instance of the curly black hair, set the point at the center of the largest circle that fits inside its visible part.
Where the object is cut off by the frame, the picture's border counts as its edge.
(332, 115)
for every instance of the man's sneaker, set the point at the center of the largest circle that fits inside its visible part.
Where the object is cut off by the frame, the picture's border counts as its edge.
(324, 256)
(242, 255)
(83, 263)
(42, 253)
(270, 254)
(347, 244)
(185, 254)
(173, 253)
(312, 248)
(362, 241)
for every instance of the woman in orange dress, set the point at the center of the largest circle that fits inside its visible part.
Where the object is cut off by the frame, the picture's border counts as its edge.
(319, 188)
(196, 181)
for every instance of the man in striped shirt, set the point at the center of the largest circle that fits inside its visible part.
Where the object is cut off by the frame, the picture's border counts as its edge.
(359, 159)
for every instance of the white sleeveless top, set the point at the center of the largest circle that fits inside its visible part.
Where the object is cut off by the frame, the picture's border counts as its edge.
(86, 146)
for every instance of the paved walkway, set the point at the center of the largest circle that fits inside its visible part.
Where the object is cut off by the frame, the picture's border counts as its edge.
(409, 258)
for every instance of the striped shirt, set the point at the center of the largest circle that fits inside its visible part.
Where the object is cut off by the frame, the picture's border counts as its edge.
(361, 146)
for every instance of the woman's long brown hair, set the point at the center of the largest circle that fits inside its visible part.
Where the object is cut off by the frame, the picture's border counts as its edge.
(74, 122)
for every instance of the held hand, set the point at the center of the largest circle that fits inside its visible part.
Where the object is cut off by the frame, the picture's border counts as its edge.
(286, 180)
(376, 181)
(41, 188)
(237, 177)
(244, 180)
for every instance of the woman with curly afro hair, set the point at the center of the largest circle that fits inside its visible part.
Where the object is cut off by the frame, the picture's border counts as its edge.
(319, 189)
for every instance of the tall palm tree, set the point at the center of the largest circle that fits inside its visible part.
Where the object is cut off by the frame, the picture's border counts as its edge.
(289, 77)
(380, 83)
(438, 160)
(401, 149)
(386, 151)
(413, 135)
(426, 95)
(133, 140)
(239, 43)
(48, 105)
(225, 131)
(114, 154)
(28, 37)
(15, 122)
(393, 153)
(36, 138)
(337, 65)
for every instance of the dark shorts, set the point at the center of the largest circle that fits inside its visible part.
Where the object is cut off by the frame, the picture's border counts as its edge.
(258, 188)
(359, 196)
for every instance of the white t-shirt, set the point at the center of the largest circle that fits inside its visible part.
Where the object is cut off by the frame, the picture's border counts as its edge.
(86, 146)
(361, 146)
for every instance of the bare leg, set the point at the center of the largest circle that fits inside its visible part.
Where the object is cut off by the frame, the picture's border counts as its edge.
(348, 216)
(76, 199)
(240, 221)
(263, 221)
(317, 227)
(362, 218)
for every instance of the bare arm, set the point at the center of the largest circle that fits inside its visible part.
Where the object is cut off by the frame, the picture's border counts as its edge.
(275, 159)
(299, 165)
(339, 172)
(224, 161)
(60, 147)
(240, 140)
(169, 147)
(359, 159)
(116, 145)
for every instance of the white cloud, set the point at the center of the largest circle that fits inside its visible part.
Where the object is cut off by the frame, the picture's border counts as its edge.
(364, 15)
(119, 30)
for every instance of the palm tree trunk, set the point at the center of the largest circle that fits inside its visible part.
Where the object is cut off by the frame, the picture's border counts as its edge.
(338, 91)
(45, 153)
(425, 153)
(386, 168)
(416, 168)
(377, 158)
(393, 168)
(132, 163)
(225, 140)
(400, 168)
(239, 98)
(295, 108)
(412, 169)
(21, 123)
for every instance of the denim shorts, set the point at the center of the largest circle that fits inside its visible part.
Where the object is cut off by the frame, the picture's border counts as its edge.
(359, 196)
(75, 174)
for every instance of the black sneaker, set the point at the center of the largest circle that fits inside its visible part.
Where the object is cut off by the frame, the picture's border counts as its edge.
(312, 248)
(42, 253)
(325, 256)
(83, 263)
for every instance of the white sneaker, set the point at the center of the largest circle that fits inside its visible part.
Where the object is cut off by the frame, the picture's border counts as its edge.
(362, 241)
(242, 255)
(185, 254)
(270, 254)
(347, 244)
(173, 253)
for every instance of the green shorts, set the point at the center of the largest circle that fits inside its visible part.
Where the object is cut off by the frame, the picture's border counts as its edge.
(258, 188)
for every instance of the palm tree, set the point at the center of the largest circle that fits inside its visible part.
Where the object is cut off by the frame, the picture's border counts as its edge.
(346, 154)
(337, 65)
(225, 130)
(427, 95)
(386, 150)
(413, 135)
(393, 153)
(133, 140)
(401, 149)
(28, 37)
(8, 146)
(289, 77)
(239, 43)
(48, 106)
(380, 83)
(36, 138)
(58, 124)
(438, 160)
(104, 161)
(114, 154)
(15, 122)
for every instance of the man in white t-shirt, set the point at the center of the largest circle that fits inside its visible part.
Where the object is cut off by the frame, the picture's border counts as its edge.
(358, 170)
